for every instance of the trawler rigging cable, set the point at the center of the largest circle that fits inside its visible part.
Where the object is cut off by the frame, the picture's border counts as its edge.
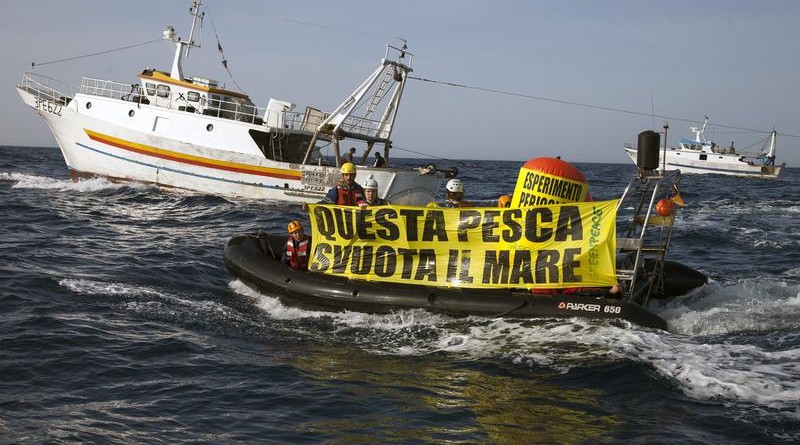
(95, 54)
(395, 147)
(580, 104)
(221, 52)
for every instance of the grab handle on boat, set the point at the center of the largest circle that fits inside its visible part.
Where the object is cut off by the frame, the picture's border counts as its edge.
(521, 305)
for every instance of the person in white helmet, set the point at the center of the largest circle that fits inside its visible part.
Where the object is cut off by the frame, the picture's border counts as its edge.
(455, 194)
(371, 192)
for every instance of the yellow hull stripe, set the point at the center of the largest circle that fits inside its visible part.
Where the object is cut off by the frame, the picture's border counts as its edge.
(192, 159)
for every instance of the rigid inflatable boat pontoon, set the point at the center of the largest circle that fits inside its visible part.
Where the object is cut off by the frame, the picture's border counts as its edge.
(255, 259)
(642, 271)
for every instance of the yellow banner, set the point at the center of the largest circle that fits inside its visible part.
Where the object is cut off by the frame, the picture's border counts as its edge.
(536, 188)
(558, 246)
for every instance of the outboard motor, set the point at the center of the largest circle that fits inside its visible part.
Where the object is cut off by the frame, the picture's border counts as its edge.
(647, 150)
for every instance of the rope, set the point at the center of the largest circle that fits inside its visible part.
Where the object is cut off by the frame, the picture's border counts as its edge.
(95, 54)
(395, 147)
(585, 105)
(522, 304)
(222, 54)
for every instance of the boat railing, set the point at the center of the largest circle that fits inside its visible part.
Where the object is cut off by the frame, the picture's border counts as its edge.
(221, 108)
(45, 88)
(647, 235)
(369, 128)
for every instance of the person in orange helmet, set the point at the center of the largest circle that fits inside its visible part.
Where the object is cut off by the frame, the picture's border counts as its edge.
(504, 201)
(298, 247)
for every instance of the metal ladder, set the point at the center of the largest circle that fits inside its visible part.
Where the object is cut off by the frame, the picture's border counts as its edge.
(640, 243)
(276, 135)
(380, 92)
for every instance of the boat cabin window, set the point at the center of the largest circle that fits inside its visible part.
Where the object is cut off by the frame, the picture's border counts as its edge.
(193, 96)
(151, 88)
(214, 100)
(228, 107)
(237, 105)
(162, 91)
(703, 157)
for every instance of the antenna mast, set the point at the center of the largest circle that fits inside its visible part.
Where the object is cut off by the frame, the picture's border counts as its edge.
(181, 47)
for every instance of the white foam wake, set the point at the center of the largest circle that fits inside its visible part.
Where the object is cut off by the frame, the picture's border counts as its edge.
(752, 304)
(25, 181)
(277, 310)
(144, 298)
(724, 370)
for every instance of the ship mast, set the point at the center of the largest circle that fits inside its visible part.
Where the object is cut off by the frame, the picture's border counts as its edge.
(387, 81)
(182, 47)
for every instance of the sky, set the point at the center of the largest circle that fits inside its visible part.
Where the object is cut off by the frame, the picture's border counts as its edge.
(658, 62)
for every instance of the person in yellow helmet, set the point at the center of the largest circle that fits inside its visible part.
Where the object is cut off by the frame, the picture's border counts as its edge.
(298, 247)
(504, 201)
(348, 192)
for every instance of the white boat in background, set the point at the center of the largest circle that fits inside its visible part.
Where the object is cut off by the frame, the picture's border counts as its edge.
(190, 133)
(700, 155)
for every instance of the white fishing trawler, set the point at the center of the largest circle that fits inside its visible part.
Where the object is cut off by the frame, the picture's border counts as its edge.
(699, 155)
(190, 133)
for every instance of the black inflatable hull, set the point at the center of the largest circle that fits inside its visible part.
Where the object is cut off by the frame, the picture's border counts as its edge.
(678, 278)
(252, 259)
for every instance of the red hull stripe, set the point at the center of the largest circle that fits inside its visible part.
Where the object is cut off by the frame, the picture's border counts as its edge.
(191, 159)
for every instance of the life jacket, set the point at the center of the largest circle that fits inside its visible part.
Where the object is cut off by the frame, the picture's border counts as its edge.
(349, 196)
(298, 257)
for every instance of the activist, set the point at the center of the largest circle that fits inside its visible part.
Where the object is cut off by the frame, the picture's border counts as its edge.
(455, 194)
(349, 157)
(380, 161)
(371, 193)
(504, 201)
(348, 192)
(298, 247)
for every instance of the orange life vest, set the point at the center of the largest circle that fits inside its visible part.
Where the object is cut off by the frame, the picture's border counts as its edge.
(349, 196)
(298, 257)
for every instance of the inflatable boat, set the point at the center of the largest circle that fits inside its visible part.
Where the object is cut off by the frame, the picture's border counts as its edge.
(255, 259)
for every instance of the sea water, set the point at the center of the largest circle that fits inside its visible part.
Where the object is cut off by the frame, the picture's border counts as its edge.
(120, 324)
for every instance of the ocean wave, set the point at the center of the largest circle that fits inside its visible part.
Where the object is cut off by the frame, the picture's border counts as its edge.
(26, 181)
(146, 297)
(737, 373)
(751, 304)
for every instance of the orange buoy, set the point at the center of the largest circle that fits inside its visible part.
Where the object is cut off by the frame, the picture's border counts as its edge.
(664, 207)
(544, 181)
